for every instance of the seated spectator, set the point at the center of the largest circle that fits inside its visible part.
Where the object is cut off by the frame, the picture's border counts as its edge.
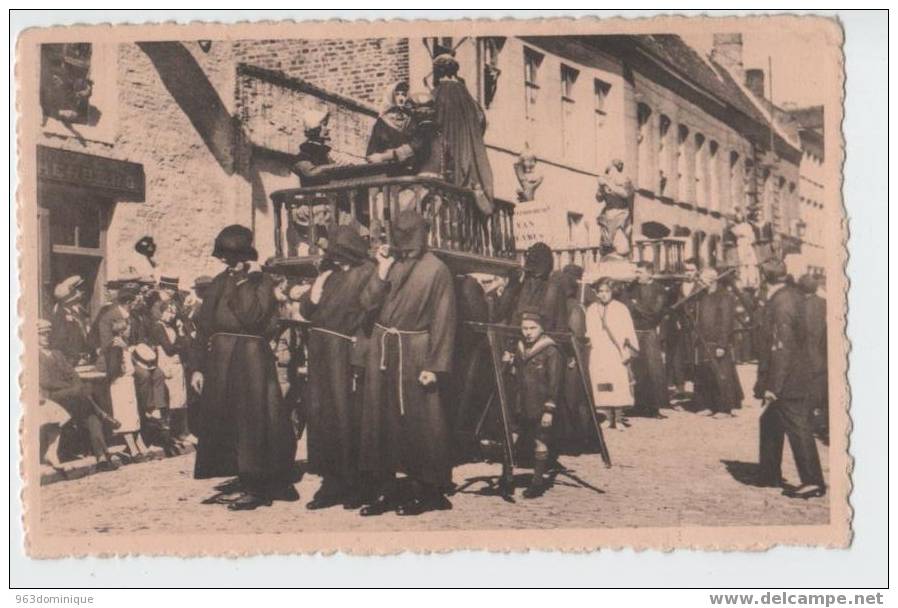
(60, 383)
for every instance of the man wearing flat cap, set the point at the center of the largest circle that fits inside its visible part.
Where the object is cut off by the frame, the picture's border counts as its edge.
(336, 346)
(404, 426)
(244, 425)
(783, 384)
(70, 321)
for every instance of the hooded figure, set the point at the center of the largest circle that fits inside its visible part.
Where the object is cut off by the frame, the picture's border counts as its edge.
(538, 288)
(404, 425)
(244, 426)
(461, 123)
(336, 347)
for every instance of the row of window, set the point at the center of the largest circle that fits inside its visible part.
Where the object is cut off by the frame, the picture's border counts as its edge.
(674, 161)
(576, 144)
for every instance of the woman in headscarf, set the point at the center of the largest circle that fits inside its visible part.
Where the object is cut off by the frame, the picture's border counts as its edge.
(393, 126)
(613, 342)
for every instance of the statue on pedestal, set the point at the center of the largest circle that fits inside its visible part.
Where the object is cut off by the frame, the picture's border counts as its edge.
(528, 178)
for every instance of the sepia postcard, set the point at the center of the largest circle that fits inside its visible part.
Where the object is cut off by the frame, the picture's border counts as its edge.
(373, 287)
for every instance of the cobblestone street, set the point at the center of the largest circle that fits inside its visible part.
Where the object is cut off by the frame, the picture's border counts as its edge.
(687, 470)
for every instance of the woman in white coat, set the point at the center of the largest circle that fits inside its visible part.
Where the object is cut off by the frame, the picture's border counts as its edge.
(613, 344)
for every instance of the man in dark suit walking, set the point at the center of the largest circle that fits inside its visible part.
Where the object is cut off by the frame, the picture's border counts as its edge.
(783, 375)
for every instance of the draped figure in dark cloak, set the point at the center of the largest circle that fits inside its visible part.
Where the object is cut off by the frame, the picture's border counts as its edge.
(645, 299)
(717, 387)
(404, 426)
(575, 432)
(336, 349)
(244, 423)
(538, 288)
(462, 124)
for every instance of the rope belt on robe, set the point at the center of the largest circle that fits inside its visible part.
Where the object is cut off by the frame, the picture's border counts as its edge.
(392, 331)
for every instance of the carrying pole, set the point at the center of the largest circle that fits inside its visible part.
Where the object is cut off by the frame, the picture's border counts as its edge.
(508, 443)
(587, 387)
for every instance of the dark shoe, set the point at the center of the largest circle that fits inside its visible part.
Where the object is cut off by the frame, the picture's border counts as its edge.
(104, 466)
(138, 458)
(231, 485)
(806, 491)
(769, 483)
(222, 498)
(249, 502)
(285, 494)
(535, 489)
(378, 507)
(353, 501)
(324, 502)
(419, 505)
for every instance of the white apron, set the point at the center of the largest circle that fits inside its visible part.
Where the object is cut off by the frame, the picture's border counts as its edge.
(173, 370)
(611, 382)
(124, 398)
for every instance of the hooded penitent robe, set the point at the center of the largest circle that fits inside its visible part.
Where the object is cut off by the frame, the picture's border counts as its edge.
(461, 125)
(404, 425)
(336, 339)
(244, 424)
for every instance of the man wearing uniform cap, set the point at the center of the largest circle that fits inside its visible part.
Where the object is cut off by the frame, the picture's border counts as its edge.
(783, 384)
(70, 321)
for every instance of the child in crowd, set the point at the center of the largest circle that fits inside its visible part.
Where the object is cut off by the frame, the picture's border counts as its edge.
(120, 372)
(539, 370)
(171, 342)
(152, 400)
